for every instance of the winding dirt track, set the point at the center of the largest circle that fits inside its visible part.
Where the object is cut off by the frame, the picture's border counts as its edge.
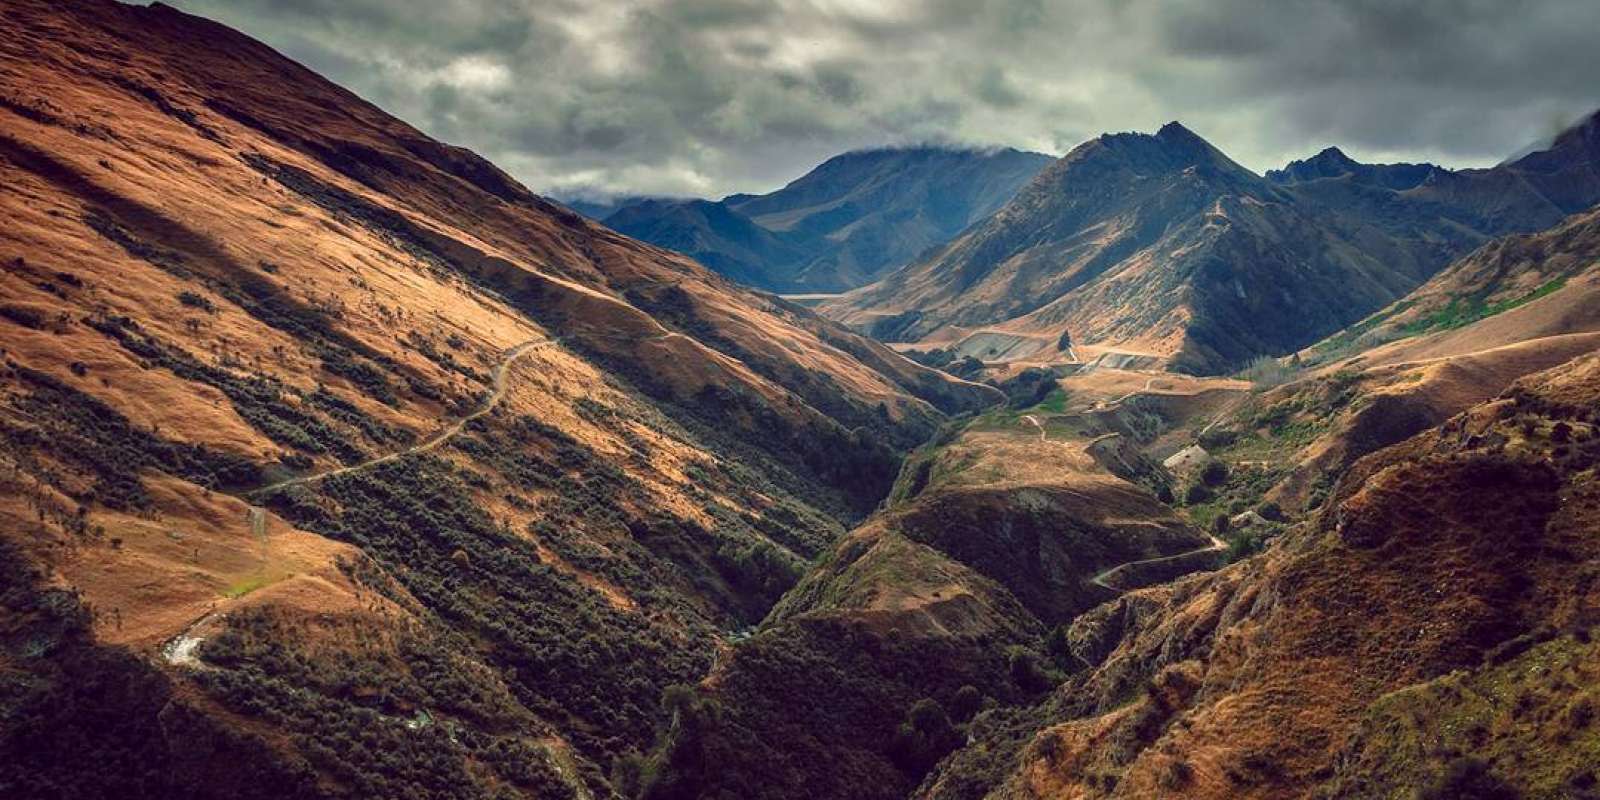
(1216, 544)
(434, 441)
(181, 649)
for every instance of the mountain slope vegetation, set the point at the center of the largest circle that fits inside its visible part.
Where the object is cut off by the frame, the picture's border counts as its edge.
(337, 449)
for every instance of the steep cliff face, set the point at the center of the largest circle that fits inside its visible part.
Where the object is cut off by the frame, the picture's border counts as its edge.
(405, 480)
(1160, 244)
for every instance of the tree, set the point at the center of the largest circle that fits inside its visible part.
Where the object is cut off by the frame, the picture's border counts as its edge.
(1025, 670)
(1065, 342)
(1214, 473)
(925, 736)
(967, 703)
(1221, 524)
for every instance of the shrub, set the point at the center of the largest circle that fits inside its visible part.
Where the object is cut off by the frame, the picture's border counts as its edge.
(1221, 524)
(925, 736)
(1058, 645)
(196, 300)
(968, 701)
(1561, 432)
(1177, 775)
(1467, 779)
(1196, 494)
(1218, 438)
(23, 315)
(1025, 670)
(1214, 473)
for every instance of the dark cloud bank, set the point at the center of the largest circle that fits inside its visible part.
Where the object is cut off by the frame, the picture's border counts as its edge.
(708, 97)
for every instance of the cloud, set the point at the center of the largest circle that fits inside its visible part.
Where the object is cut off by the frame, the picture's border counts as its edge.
(710, 97)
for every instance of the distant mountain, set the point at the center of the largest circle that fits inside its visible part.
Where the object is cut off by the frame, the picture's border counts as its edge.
(1160, 244)
(844, 223)
(598, 210)
(715, 235)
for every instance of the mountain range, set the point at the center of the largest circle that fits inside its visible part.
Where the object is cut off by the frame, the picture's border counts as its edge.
(335, 463)
(841, 225)
(1160, 245)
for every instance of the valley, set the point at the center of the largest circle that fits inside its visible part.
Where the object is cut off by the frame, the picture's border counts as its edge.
(337, 463)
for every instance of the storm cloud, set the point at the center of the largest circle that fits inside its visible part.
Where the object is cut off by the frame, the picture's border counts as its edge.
(708, 97)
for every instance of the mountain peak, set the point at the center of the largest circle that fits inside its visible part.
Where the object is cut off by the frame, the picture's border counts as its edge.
(1175, 130)
(1333, 155)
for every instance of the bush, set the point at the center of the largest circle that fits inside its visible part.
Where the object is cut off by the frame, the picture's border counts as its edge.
(1025, 670)
(23, 315)
(1218, 438)
(196, 300)
(926, 736)
(1221, 524)
(1270, 511)
(1058, 645)
(966, 704)
(1196, 494)
(1028, 387)
(1467, 779)
(1214, 473)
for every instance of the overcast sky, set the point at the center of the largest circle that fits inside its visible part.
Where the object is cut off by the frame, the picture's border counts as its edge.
(709, 97)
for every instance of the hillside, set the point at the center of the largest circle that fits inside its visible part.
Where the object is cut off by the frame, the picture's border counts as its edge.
(1161, 245)
(840, 225)
(952, 600)
(338, 464)
(714, 235)
(1428, 633)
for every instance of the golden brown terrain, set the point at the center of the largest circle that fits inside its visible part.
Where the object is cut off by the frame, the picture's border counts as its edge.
(1426, 632)
(336, 463)
(390, 477)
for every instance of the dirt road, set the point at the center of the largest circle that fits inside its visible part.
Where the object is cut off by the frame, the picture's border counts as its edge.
(1217, 545)
(434, 441)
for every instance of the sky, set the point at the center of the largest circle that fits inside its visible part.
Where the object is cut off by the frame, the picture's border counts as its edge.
(595, 98)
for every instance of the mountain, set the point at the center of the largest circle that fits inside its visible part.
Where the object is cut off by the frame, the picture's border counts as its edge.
(1428, 633)
(947, 602)
(844, 223)
(1406, 608)
(598, 210)
(1160, 245)
(1487, 284)
(337, 464)
(722, 239)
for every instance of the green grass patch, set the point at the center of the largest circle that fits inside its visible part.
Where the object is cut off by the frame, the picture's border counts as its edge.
(243, 587)
(1054, 403)
(1349, 335)
(1461, 312)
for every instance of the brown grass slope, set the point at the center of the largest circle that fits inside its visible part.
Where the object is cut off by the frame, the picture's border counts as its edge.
(220, 272)
(1518, 305)
(1424, 632)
